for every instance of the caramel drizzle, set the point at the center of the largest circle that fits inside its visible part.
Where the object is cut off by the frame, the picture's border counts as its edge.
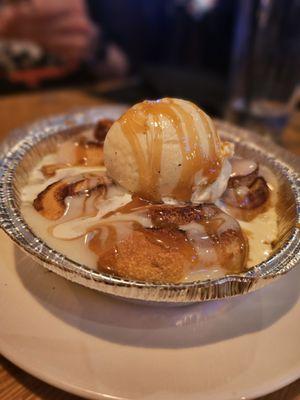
(169, 241)
(112, 229)
(192, 157)
(186, 246)
(99, 246)
(134, 124)
(137, 204)
(134, 205)
(165, 236)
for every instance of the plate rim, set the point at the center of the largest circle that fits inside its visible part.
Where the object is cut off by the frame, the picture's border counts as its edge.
(86, 394)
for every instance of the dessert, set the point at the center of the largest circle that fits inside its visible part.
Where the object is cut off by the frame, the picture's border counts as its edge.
(168, 150)
(155, 196)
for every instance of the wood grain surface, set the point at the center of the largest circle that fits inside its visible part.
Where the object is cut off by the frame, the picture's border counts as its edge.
(18, 110)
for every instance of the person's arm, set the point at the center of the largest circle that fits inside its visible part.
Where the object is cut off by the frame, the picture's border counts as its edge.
(62, 28)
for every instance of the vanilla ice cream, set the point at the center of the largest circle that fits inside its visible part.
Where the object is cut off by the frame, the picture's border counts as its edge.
(168, 150)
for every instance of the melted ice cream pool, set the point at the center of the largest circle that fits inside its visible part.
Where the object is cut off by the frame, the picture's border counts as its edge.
(67, 237)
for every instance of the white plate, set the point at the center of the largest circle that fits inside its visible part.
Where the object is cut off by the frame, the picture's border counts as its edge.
(102, 348)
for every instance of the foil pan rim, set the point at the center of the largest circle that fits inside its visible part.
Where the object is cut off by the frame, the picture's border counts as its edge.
(17, 145)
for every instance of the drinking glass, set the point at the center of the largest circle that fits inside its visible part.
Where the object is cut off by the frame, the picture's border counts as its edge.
(265, 64)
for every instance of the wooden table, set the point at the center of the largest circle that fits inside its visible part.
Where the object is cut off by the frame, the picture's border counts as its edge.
(17, 110)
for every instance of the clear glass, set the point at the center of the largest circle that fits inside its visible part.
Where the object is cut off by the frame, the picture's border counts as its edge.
(265, 64)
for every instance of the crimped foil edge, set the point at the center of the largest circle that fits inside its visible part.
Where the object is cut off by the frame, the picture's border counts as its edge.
(14, 225)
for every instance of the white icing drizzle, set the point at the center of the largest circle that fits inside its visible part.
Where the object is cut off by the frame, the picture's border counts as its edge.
(203, 245)
(78, 227)
(38, 183)
(69, 231)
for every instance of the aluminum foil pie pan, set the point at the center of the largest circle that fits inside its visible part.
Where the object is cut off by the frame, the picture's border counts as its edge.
(25, 147)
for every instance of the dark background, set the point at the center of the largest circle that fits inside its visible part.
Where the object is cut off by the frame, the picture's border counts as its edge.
(172, 50)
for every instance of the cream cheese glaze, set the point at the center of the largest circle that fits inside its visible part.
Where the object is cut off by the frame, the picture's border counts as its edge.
(71, 237)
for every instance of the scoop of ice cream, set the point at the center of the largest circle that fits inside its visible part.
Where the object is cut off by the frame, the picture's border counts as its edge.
(168, 150)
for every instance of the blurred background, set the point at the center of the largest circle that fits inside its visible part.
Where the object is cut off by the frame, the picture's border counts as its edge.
(238, 59)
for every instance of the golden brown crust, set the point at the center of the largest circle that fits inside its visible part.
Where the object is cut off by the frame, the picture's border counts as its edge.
(230, 245)
(50, 203)
(256, 195)
(144, 257)
(166, 253)
(180, 215)
(243, 180)
(233, 249)
(88, 184)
